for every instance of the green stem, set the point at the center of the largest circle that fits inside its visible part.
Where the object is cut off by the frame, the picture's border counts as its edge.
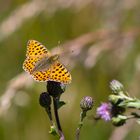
(55, 103)
(82, 116)
(48, 110)
(133, 104)
(122, 95)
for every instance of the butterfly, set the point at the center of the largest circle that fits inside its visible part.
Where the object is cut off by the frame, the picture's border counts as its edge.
(43, 66)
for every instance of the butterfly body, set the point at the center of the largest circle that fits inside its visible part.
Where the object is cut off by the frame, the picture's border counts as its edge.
(45, 63)
(43, 66)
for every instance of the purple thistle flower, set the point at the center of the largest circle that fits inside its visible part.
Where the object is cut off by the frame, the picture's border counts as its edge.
(104, 111)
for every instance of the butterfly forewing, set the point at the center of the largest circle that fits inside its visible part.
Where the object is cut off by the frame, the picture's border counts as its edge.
(35, 48)
(35, 52)
(29, 64)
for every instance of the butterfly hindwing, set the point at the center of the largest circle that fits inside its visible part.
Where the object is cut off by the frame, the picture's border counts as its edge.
(41, 76)
(59, 73)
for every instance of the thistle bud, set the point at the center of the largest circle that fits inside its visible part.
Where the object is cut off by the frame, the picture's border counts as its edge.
(115, 99)
(86, 103)
(45, 100)
(55, 89)
(116, 86)
(119, 120)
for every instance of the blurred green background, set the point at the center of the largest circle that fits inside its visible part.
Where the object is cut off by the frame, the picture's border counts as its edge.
(98, 62)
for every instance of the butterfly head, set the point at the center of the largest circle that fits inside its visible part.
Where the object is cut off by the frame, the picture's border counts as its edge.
(54, 58)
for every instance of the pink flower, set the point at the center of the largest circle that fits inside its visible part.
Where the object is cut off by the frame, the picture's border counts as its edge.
(104, 111)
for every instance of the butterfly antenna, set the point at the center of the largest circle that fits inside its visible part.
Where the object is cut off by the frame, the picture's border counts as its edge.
(59, 47)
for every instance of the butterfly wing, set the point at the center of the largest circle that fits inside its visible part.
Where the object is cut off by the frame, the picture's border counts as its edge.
(35, 52)
(41, 76)
(59, 73)
(35, 48)
(29, 64)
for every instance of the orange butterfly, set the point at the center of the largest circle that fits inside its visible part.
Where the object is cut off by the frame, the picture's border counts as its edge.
(43, 66)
